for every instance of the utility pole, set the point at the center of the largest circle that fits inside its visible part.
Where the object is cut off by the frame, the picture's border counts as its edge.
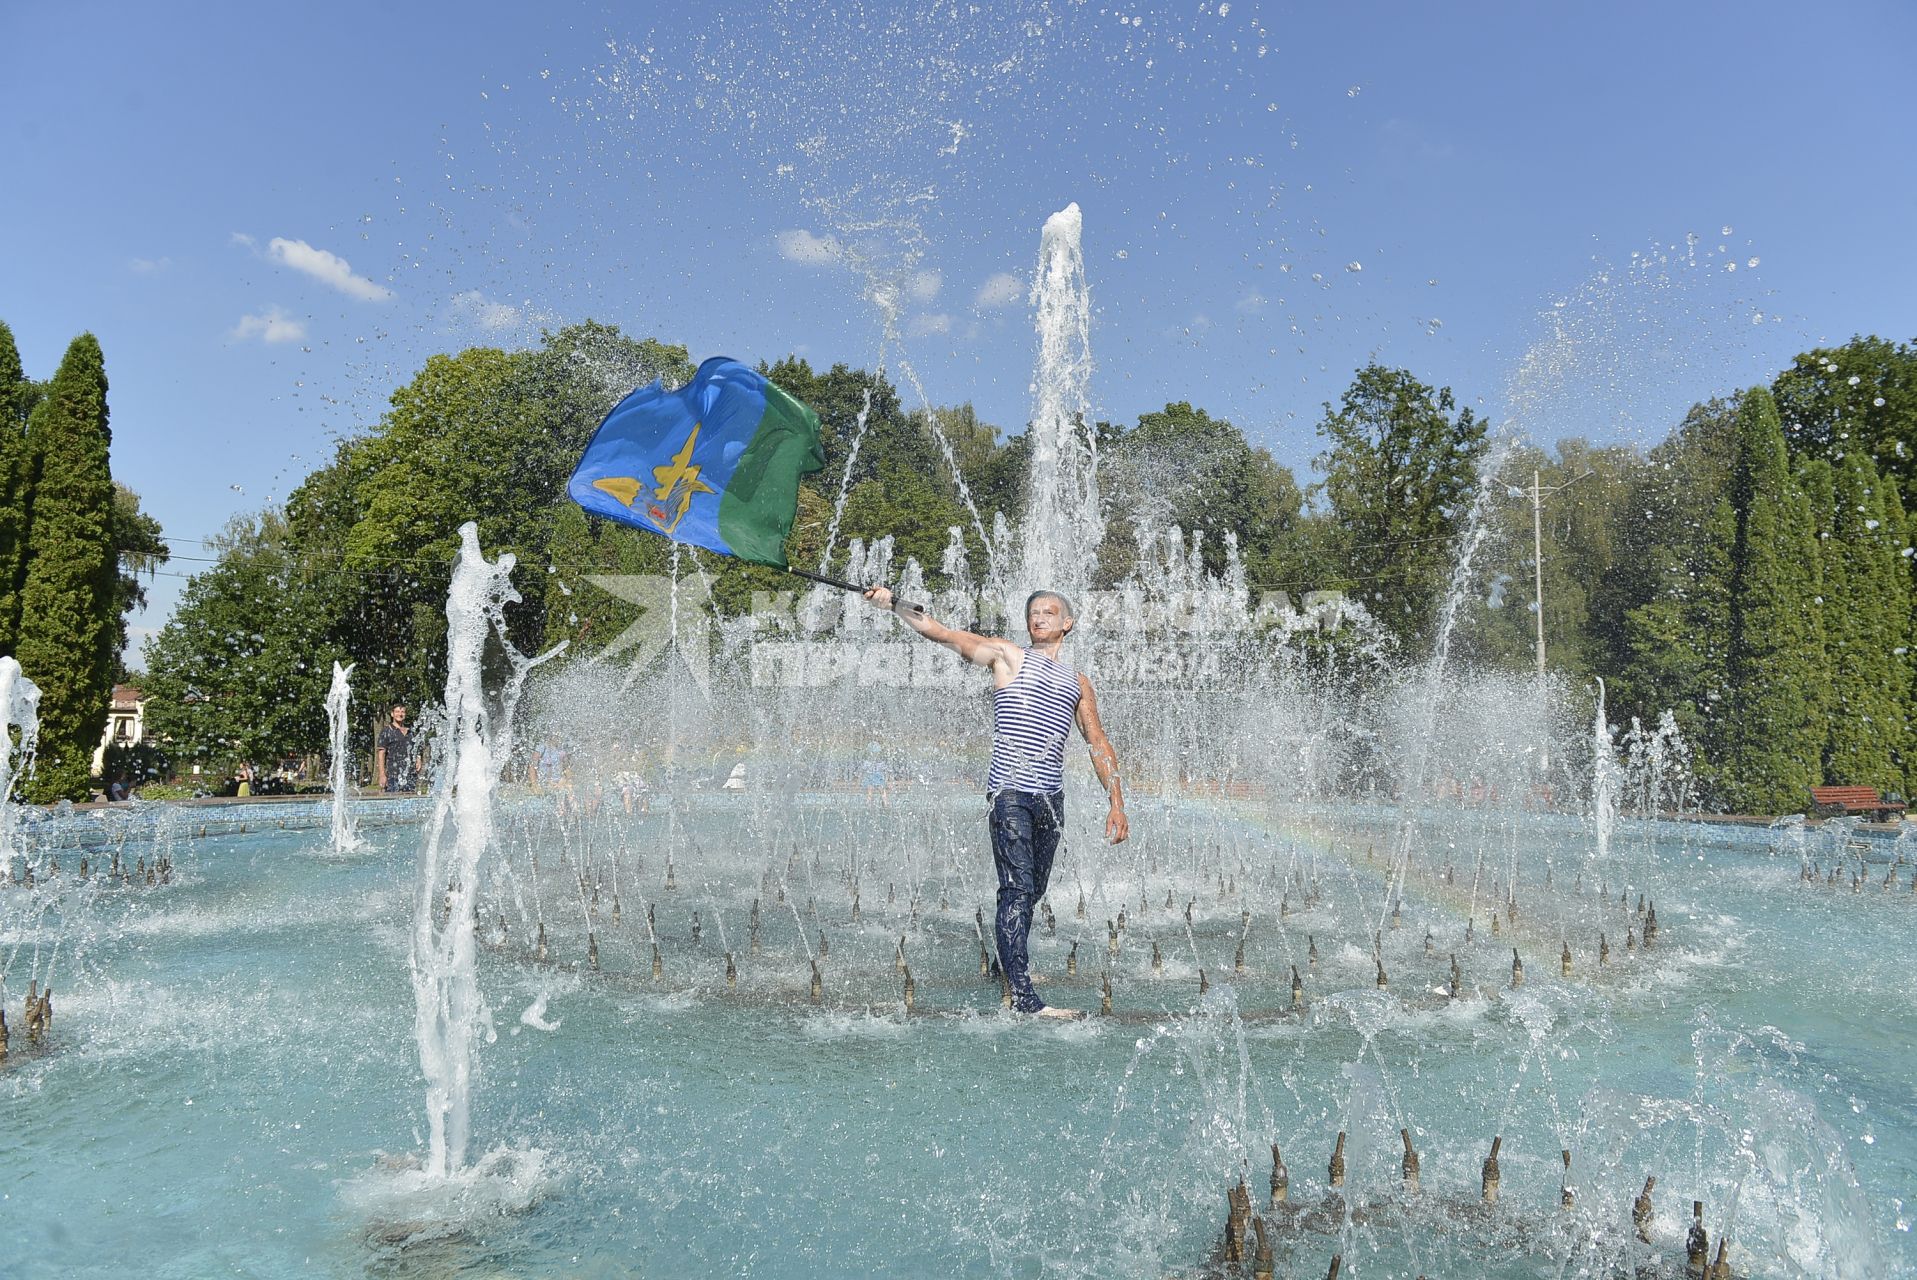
(1537, 559)
(1538, 492)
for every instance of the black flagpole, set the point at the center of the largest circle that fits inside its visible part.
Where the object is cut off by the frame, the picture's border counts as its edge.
(843, 585)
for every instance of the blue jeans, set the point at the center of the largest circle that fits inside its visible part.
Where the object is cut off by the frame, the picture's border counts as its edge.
(1025, 830)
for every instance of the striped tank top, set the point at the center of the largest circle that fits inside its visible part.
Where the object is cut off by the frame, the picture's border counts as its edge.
(1031, 719)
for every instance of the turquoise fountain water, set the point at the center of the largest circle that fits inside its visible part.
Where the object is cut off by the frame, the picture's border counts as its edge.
(233, 1083)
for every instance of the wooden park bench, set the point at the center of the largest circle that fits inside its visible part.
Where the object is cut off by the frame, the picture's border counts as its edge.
(1835, 802)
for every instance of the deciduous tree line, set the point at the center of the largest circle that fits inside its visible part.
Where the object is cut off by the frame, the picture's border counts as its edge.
(1751, 571)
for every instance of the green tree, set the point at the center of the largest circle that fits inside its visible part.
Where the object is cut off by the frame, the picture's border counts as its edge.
(1901, 600)
(69, 597)
(897, 479)
(1587, 491)
(1399, 473)
(485, 435)
(1772, 736)
(1181, 466)
(16, 487)
(1670, 585)
(1867, 607)
(240, 672)
(1863, 393)
(140, 548)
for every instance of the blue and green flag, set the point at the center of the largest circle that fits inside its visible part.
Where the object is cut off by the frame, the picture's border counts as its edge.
(716, 463)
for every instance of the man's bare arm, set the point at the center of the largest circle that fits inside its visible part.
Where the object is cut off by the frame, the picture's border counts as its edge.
(984, 651)
(1104, 761)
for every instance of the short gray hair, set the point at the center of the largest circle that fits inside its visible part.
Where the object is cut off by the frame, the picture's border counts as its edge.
(1064, 605)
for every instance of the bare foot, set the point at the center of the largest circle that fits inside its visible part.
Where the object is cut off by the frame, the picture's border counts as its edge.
(1063, 1015)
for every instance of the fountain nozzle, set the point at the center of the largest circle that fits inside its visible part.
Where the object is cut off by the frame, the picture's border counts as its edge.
(1641, 1210)
(1697, 1244)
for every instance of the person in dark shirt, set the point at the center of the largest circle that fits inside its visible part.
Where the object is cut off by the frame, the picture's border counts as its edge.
(395, 763)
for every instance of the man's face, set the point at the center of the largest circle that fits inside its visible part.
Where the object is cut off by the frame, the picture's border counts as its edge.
(399, 717)
(1046, 619)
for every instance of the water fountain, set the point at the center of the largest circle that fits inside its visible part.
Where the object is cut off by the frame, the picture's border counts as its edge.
(752, 1028)
(19, 709)
(339, 701)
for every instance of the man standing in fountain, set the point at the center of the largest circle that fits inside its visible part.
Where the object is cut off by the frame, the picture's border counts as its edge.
(1036, 699)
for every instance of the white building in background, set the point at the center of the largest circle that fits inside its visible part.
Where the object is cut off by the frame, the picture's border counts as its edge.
(126, 723)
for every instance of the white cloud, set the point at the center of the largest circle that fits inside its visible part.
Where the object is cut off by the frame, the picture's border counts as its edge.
(475, 308)
(272, 325)
(327, 268)
(924, 286)
(241, 238)
(806, 249)
(148, 266)
(1251, 302)
(1001, 290)
(922, 325)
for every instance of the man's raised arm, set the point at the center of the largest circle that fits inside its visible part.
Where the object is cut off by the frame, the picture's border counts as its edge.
(980, 650)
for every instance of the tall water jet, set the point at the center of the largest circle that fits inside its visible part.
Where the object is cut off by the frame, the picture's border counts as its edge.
(1062, 527)
(19, 708)
(339, 700)
(1604, 799)
(449, 1012)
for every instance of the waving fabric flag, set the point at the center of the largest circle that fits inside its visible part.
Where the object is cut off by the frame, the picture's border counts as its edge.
(716, 463)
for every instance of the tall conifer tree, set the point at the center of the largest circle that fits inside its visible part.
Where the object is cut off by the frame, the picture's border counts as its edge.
(68, 601)
(1866, 723)
(1773, 736)
(1827, 591)
(1900, 596)
(16, 487)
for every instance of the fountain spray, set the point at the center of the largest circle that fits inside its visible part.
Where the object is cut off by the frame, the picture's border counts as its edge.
(339, 699)
(449, 1011)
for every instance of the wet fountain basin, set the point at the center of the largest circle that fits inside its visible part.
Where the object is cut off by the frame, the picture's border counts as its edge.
(233, 1083)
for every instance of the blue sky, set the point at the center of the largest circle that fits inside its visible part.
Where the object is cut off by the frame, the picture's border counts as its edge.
(1584, 218)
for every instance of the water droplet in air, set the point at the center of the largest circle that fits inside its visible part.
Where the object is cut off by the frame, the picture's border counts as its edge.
(1854, 379)
(1727, 231)
(1878, 402)
(1224, 9)
(1751, 263)
(1354, 91)
(1123, 254)
(1354, 266)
